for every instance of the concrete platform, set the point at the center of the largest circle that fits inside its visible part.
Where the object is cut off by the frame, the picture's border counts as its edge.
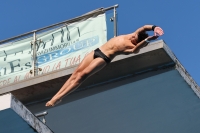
(16, 118)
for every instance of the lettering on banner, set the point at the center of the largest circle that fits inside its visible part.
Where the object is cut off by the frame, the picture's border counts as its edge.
(58, 65)
(61, 36)
(61, 33)
(75, 60)
(72, 61)
(17, 78)
(15, 64)
(3, 71)
(46, 69)
(27, 75)
(5, 82)
(45, 56)
(53, 66)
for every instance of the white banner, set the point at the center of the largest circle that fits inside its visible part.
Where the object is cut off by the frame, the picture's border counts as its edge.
(60, 48)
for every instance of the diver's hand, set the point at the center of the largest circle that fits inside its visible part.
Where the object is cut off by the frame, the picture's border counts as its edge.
(158, 31)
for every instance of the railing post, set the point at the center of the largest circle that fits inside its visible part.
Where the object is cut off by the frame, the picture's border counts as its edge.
(35, 70)
(42, 114)
(115, 20)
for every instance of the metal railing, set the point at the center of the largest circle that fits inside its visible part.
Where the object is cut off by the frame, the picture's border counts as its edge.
(42, 114)
(87, 15)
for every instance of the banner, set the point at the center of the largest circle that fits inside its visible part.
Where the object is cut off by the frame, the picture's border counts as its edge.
(56, 49)
(15, 61)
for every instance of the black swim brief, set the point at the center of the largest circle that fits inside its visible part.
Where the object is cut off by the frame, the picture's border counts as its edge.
(98, 53)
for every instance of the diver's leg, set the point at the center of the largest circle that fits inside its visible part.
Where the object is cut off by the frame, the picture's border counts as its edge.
(77, 79)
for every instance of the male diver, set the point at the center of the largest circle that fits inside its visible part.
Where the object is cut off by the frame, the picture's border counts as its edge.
(102, 56)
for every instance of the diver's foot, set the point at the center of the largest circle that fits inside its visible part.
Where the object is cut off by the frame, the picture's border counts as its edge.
(53, 102)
